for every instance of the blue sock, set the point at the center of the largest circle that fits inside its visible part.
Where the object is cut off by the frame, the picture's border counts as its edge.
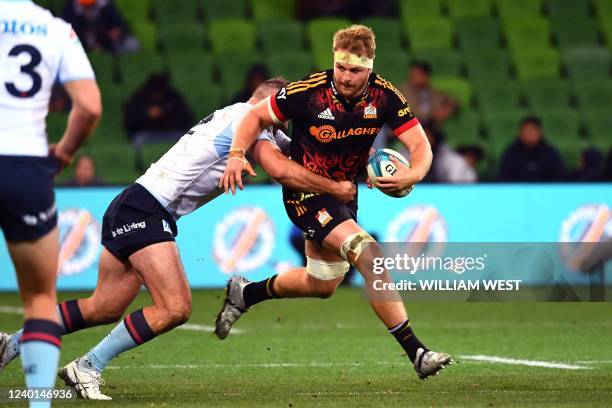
(40, 349)
(131, 332)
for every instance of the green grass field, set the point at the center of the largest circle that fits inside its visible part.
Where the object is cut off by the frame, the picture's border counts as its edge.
(296, 353)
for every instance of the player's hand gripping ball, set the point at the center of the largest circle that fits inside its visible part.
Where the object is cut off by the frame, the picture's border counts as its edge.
(380, 165)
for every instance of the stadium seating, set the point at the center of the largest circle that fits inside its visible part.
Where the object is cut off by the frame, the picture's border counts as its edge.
(497, 97)
(269, 10)
(560, 124)
(444, 62)
(232, 35)
(537, 63)
(279, 36)
(593, 96)
(463, 129)
(115, 162)
(291, 65)
(575, 32)
(516, 9)
(393, 65)
(388, 32)
(217, 10)
(134, 69)
(233, 67)
(146, 33)
(173, 12)
(429, 33)
(547, 94)
(508, 58)
(488, 66)
(458, 88)
(599, 125)
(181, 36)
(151, 152)
(418, 9)
(189, 69)
(103, 66)
(468, 8)
(527, 34)
(134, 10)
(320, 32)
(587, 63)
(478, 34)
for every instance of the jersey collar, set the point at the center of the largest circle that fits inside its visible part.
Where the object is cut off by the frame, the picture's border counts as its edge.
(349, 106)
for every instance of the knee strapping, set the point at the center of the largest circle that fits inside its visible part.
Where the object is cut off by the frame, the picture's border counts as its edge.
(355, 244)
(324, 270)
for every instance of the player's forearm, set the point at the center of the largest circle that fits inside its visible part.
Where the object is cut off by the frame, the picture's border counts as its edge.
(246, 133)
(81, 123)
(296, 177)
(420, 159)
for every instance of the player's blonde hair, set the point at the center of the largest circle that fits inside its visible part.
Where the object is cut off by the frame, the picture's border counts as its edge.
(356, 39)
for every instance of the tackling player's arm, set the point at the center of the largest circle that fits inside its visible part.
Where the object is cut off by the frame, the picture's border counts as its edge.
(84, 116)
(292, 175)
(253, 123)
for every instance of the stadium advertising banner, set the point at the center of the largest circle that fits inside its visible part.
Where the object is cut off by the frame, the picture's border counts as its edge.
(249, 234)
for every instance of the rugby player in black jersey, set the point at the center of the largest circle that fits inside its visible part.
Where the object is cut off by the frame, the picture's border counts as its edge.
(336, 115)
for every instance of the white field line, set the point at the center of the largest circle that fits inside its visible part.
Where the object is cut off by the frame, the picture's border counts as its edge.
(11, 310)
(530, 363)
(204, 328)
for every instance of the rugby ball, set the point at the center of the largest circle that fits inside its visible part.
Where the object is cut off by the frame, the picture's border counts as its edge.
(380, 165)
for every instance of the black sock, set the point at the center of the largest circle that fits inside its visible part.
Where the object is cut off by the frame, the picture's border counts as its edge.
(256, 292)
(72, 318)
(406, 338)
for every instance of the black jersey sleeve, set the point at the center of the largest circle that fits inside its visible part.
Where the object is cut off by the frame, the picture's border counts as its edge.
(399, 115)
(290, 102)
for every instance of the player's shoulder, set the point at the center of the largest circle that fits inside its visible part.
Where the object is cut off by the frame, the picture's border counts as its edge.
(378, 81)
(309, 83)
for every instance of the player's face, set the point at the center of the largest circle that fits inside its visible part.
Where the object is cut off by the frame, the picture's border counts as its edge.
(350, 80)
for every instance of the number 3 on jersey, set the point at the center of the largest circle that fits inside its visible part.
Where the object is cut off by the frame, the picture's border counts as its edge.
(28, 69)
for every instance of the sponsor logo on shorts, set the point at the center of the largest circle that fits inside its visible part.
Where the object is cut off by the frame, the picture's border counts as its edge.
(166, 227)
(124, 229)
(370, 112)
(323, 217)
(33, 219)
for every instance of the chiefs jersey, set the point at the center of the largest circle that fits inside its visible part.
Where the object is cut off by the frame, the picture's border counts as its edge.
(331, 136)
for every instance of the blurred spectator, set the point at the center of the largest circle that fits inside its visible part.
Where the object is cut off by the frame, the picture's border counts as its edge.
(530, 157)
(156, 112)
(428, 103)
(99, 25)
(590, 167)
(472, 154)
(447, 166)
(257, 74)
(85, 173)
(607, 175)
(60, 101)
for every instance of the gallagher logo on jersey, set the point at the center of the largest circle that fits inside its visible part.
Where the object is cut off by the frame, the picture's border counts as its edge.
(327, 133)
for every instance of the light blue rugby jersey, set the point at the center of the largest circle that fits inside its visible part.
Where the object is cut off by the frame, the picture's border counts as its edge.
(188, 175)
